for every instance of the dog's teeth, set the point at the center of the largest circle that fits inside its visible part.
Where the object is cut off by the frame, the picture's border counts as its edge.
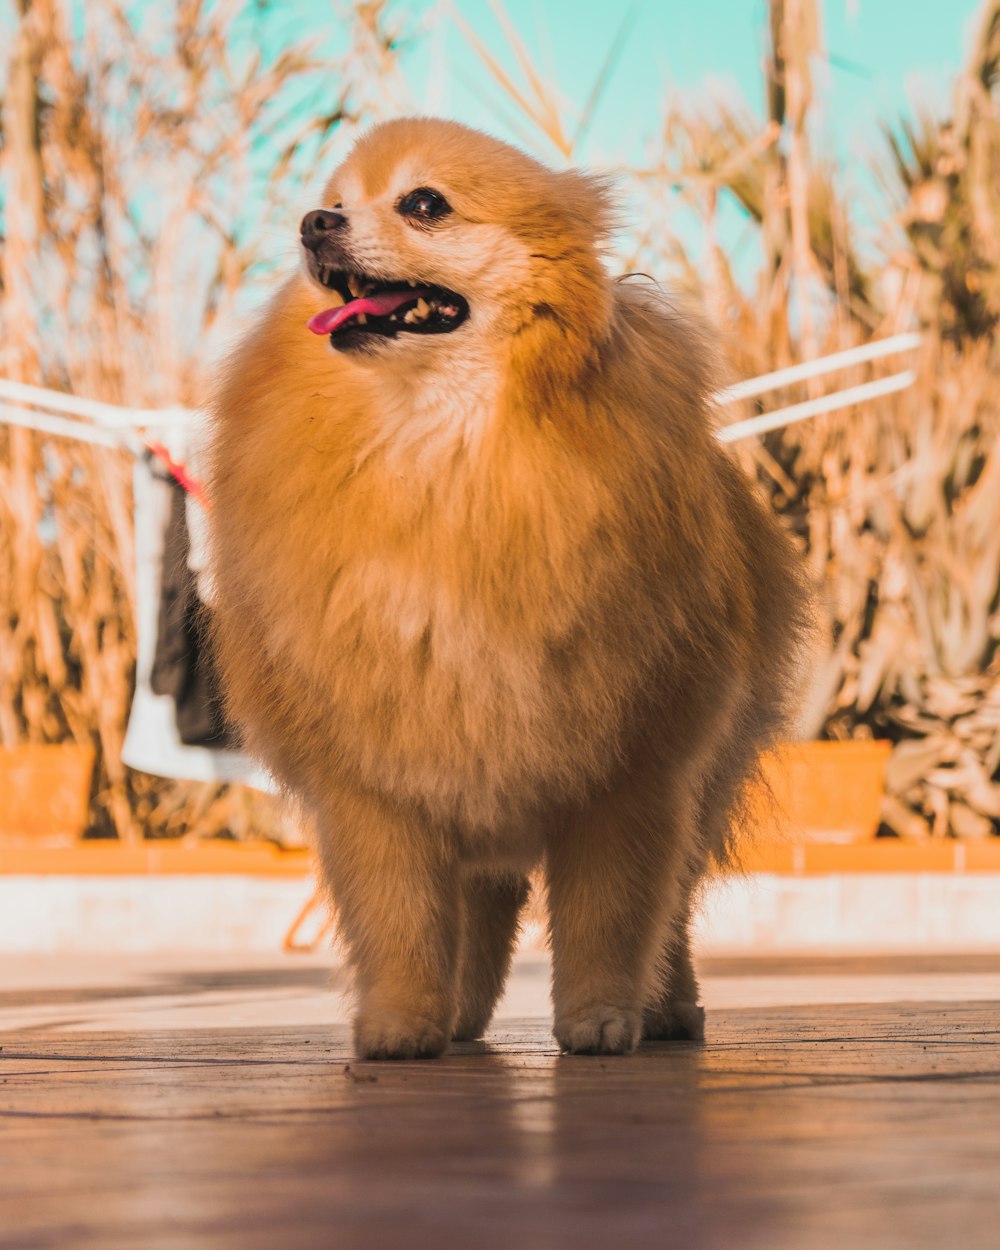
(422, 308)
(410, 316)
(362, 319)
(354, 286)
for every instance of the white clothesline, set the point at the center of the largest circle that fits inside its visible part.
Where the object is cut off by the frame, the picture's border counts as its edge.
(47, 423)
(113, 425)
(113, 416)
(818, 367)
(814, 407)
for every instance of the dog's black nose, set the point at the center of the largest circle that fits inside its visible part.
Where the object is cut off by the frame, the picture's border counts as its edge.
(319, 225)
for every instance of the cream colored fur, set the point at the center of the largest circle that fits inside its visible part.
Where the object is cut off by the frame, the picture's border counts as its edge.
(497, 598)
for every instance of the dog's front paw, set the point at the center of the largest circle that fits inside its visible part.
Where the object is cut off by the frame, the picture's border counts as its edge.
(599, 1030)
(396, 1035)
(675, 1022)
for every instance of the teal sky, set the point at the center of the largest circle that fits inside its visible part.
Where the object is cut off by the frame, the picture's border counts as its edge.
(883, 59)
(884, 56)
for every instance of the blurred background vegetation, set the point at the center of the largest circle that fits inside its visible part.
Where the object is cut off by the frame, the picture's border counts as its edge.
(154, 163)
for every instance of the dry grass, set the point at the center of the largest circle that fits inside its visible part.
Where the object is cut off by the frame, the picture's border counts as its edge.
(133, 218)
(899, 508)
(898, 503)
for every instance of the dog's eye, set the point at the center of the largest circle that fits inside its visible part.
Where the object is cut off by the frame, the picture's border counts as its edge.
(423, 204)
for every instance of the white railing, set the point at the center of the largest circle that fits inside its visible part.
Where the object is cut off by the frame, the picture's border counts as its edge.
(111, 425)
(845, 398)
(819, 367)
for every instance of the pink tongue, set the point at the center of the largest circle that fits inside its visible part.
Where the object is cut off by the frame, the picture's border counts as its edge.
(379, 305)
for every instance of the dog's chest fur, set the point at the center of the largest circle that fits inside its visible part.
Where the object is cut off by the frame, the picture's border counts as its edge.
(449, 620)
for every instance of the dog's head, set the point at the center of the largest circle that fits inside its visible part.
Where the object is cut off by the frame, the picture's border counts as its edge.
(431, 232)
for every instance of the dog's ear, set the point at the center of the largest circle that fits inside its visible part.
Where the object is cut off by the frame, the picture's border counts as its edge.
(591, 200)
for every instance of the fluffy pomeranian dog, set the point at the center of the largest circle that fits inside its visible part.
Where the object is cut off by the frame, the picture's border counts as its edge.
(491, 595)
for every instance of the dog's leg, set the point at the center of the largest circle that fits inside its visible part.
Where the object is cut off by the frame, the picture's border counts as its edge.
(491, 903)
(612, 888)
(675, 1014)
(395, 887)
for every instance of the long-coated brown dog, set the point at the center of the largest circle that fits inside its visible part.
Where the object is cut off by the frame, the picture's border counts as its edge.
(490, 593)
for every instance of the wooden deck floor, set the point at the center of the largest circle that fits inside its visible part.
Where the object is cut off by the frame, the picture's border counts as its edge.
(175, 1103)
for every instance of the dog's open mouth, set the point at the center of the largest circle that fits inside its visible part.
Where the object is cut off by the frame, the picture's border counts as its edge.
(372, 307)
